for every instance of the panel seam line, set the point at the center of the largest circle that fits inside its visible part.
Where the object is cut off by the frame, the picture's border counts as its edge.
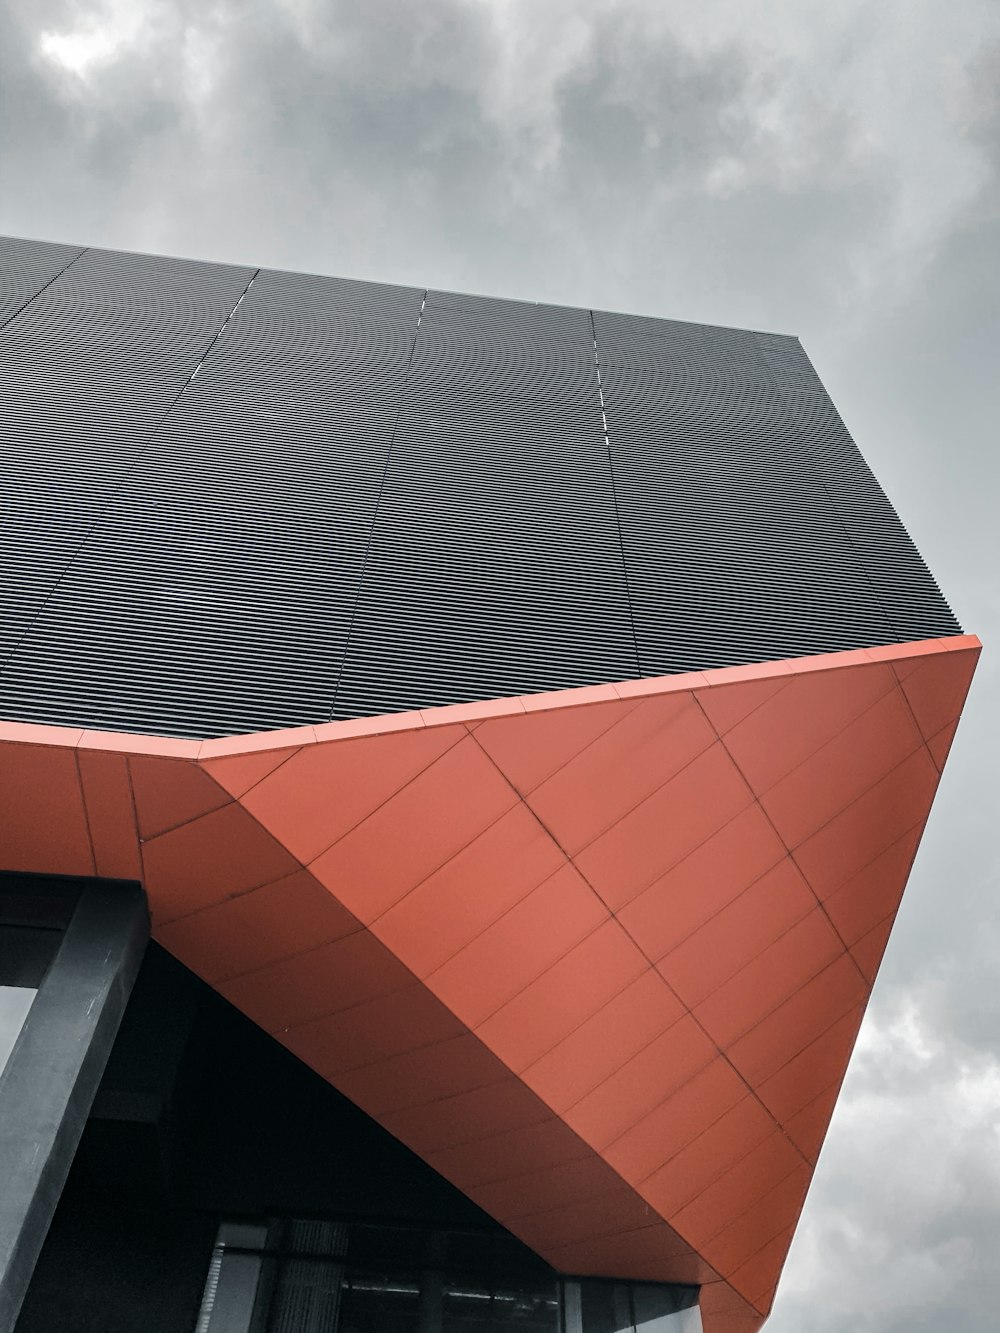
(125, 477)
(836, 508)
(614, 497)
(375, 516)
(34, 297)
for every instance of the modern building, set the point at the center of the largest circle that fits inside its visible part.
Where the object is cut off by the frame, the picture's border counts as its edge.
(513, 725)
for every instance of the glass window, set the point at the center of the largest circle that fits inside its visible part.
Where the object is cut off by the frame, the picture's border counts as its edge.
(605, 1307)
(15, 1001)
(25, 954)
(287, 1276)
(233, 1279)
(27, 947)
(375, 1303)
(662, 1309)
(307, 1277)
(469, 1307)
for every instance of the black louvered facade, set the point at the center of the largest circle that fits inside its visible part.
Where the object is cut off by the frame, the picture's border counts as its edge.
(236, 499)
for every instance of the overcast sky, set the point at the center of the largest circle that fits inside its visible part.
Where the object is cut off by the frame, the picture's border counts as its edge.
(825, 169)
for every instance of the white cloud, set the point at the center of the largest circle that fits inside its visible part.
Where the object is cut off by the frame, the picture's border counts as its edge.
(906, 1202)
(107, 32)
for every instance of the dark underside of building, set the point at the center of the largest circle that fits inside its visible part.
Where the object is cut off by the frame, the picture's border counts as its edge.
(461, 761)
(202, 1120)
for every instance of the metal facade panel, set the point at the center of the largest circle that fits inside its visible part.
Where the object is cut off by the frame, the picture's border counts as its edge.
(900, 580)
(89, 369)
(734, 545)
(215, 592)
(26, 267)
(495, 565)
(336, 498)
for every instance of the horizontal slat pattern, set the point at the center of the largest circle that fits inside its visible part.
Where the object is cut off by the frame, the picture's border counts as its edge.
(89, 368)
(495, 566)
(215, 593)
(733, 548)
(25, 268)
(901, 581)
(325, 502)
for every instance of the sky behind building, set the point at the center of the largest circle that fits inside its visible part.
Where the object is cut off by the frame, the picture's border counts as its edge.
(832, 172)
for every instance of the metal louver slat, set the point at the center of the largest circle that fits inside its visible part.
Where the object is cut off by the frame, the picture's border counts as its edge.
(235, 500)
(495, 565)
(214, 593)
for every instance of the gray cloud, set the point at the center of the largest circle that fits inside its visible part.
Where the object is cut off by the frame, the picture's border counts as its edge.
(832, 171)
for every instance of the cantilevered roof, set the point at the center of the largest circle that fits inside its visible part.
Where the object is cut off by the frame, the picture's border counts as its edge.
(598, 956)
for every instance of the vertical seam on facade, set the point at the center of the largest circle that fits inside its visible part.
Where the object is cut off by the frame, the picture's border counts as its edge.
(375, 514)
(126, 475)
(34, 297)
(614, 498)
(835, 506)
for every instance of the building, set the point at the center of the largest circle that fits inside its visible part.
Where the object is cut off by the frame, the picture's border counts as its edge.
(515, 725)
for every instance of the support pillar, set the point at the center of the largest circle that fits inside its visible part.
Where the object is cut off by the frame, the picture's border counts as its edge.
(51, 1077)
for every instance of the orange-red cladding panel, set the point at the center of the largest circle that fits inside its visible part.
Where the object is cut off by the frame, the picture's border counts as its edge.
(799, 1020)
(292, 915)
(758, 1274)
(533, 1147)
(572, 990)
(806, 1075)
(530, 1193)
(807, 714)
(110, 815)
(482, 1115)
(744, 1236)
(613, 1212)
(320, 794)
(299, 989)
(807, 1128)
(723, 1310)
(706, 1161)
(864, 829)
(650, 1253)
(531, 747)
(642, 1083)
(703, 883)
(387, 1025)
(777, 972)
(171, 792)
(937, 689)
(415, 831)
(478, 885)
(739, 1188)
(43, 823)
(601, 1045)
(424, 1078)
(623, 766)
(700, 1101)
(845, 768)
(867, 898)
(513, 952)
(727, 705)
(940, 743)
(669, 825)
(868, 951)
(738, 934)
(209, 859)
(237, 773)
